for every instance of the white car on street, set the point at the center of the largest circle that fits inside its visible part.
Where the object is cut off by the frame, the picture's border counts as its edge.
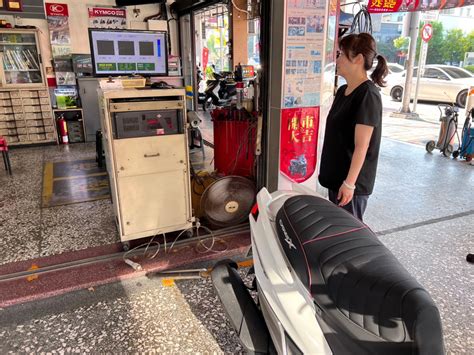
(439, 83)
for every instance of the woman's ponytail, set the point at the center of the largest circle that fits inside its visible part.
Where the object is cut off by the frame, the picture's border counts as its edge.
(380, 72)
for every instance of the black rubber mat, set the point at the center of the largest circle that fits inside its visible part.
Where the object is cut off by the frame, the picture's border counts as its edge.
(68, 182)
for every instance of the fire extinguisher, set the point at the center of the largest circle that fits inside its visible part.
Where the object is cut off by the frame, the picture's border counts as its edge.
(63, 130)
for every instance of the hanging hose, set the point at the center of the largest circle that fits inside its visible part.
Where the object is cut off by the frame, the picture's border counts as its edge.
(362, 21)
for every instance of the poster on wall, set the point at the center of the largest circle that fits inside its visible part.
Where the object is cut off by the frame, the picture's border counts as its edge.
(303, 64)
(305, 24)
(298, 142)
(58, 23)
(329, 70)
(60, 38)
(107, 17)
(380, 6)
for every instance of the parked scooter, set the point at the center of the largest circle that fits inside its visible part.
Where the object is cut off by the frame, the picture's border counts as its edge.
(325, 285)
(219, 91)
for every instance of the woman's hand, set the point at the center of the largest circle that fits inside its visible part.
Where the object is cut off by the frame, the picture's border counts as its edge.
(344, 195)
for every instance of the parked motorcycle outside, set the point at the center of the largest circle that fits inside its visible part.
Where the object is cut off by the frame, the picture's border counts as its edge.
(219, 91)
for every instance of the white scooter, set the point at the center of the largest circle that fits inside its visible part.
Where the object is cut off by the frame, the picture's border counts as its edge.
(325, 285)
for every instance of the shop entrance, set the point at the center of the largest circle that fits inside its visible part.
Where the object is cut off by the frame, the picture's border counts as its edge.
(223, 80)
(212, 45)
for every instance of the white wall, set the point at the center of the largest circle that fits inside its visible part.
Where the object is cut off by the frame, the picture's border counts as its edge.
(79, 22)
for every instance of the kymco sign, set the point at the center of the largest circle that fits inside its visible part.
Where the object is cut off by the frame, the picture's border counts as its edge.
(53, 9)
(104, 12)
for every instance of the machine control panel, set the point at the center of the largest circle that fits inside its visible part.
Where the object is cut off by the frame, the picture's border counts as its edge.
(134, 124)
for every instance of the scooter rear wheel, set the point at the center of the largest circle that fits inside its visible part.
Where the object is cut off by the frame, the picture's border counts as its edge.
(430, 146)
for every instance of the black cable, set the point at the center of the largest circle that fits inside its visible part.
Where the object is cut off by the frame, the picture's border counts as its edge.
(362, 22)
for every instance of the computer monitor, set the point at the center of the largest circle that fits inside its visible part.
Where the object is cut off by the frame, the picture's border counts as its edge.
(126, 52)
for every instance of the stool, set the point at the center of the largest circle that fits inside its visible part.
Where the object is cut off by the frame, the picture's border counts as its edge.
(6, 158)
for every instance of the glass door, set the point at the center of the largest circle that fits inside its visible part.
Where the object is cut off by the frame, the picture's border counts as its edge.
(20, 58)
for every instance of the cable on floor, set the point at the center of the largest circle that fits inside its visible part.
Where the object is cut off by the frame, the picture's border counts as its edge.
(201, 247)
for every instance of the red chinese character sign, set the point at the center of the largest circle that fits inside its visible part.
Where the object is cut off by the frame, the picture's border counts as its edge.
(378, 6)
(298, 142)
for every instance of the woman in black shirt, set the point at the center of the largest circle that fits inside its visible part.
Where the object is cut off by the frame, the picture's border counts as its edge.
(354, 124)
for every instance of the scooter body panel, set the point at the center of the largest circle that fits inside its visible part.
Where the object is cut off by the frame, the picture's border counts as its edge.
(286, 303)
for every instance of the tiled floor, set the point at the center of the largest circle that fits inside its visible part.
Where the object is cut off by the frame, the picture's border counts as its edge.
(422, 209)
(29, 231)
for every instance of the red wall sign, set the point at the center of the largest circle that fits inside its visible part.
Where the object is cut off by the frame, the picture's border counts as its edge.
(53, 9)
(298, 142)
(101, 12)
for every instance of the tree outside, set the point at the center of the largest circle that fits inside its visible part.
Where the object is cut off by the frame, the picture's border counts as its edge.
(388, 50)
(435, 52)
(402, 44)
(445, 47)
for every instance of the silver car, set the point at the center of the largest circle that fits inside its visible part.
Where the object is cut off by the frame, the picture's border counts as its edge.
(439, 83)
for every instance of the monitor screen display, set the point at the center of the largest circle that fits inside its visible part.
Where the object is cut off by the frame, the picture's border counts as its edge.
(124, 52)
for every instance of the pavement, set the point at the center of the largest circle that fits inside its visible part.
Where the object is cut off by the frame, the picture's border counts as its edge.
(421, 209)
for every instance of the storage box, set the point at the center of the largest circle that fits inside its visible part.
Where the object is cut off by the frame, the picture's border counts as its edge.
(48, 128)
(7, 117)
(43, 93)
(33, 116)
(39, 129)
(37, 137)
(32, 109)
(29, 101)
(12, 139)
(34, 123)
(9, 124)
(20, 123)
(6, 110)
(28, 93)
(14, 94)
(46, 114)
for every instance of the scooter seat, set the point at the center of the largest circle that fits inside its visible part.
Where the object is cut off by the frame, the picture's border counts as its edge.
(366, 298)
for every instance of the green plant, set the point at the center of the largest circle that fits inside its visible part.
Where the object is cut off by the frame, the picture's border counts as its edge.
(470, 68)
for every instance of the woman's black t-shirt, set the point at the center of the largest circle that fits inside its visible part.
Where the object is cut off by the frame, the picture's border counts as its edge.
(361, 106)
